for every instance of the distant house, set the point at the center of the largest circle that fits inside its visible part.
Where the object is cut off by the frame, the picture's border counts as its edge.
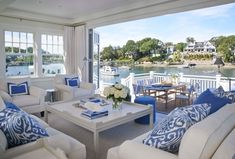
(200, 47)
(170, 49)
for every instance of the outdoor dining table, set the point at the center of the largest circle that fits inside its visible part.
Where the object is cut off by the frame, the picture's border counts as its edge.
(167, 89)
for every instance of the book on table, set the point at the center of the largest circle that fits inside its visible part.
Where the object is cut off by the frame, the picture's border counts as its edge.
(94, 114)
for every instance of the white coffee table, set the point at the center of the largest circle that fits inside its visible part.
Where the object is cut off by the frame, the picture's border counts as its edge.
(129, 112)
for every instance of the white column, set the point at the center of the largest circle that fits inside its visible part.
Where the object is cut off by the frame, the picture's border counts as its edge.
(181, 77)
(81, 52)
(218, 77)
(38, 56)
(132, 78)
(151, 74)
(69, 52)
(3, 56)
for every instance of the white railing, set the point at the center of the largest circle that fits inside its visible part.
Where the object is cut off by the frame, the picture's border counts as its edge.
(203, 81)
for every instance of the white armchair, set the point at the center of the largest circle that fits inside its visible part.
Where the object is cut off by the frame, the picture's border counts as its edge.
(67, 93)
(32, 103)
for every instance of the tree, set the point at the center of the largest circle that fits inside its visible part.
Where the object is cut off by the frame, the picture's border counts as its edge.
(107, 53)
(180, 46)
(226, 47)
(190, 40)
(130, 46)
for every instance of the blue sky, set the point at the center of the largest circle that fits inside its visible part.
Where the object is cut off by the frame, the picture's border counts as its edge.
(201, 24)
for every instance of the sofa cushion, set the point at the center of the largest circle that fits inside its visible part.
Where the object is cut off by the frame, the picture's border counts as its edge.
(18, 89)
(72, 82)
(196, 112)
(215, 102)
(226, 149)
(25, 100)
(3, 142)
(19, 128)
(79, 92)
(168, 133)
(203, 138)
(12, 106)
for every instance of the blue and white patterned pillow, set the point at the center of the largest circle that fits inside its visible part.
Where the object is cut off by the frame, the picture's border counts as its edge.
(196, 112)
(168, 133)
(230, 96)
(19, 128)
(72, 82)
(11, 105)
(18, 89)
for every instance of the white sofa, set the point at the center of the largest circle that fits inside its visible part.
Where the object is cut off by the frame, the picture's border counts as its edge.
(67, 93)
(32, 103)
(72, 148)
(211, 138)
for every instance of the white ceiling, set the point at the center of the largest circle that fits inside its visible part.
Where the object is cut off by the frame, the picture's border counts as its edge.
(82, 11)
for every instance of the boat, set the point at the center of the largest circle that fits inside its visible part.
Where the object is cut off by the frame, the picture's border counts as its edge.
(109, 71)
(190, 65)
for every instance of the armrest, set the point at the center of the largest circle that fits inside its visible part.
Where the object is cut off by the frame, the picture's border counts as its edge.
(38, 92)
(64, 88)
(5, 96)
(87, 85)
(134, 150)
(72, 148)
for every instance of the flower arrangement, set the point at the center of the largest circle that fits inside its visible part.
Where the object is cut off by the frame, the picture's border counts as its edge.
(117, 93)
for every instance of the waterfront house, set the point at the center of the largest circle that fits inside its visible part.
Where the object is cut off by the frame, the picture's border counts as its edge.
(200, 47)
(37, 35)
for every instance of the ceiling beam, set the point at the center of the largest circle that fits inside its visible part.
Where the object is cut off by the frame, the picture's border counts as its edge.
(5, 3)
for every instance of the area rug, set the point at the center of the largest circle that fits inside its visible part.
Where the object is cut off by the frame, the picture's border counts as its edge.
(109, 138)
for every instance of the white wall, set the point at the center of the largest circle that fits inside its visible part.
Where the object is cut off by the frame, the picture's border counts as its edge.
(37, 28)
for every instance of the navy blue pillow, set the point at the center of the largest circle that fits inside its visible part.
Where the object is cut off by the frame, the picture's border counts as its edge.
(11, 105)
(72, 82)
(19, 128)
(18, 89)
(215, 102)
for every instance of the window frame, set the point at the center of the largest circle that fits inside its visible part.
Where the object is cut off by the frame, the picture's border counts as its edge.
(53, 53)
(37, 50)
(33, 54)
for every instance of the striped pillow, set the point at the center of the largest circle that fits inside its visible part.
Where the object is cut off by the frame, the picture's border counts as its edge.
(18, 89)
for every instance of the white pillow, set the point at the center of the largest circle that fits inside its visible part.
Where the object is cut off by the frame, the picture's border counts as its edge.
(3, 142)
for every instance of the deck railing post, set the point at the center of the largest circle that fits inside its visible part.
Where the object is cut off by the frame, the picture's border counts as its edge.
(123, 81)
(181, 77)
(218, 78)
(132, 78)
(151, 74)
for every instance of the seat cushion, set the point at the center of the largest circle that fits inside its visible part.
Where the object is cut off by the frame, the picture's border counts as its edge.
(210, 98)
(226, 149)
(25, 100)
(19, 128)
(80, 92)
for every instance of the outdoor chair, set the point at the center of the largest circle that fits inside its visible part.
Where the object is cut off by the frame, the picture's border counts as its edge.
(185, 94)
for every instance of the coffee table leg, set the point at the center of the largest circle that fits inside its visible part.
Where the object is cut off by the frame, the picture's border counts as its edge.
(151, 120)
(46, 116)
(96, 144)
